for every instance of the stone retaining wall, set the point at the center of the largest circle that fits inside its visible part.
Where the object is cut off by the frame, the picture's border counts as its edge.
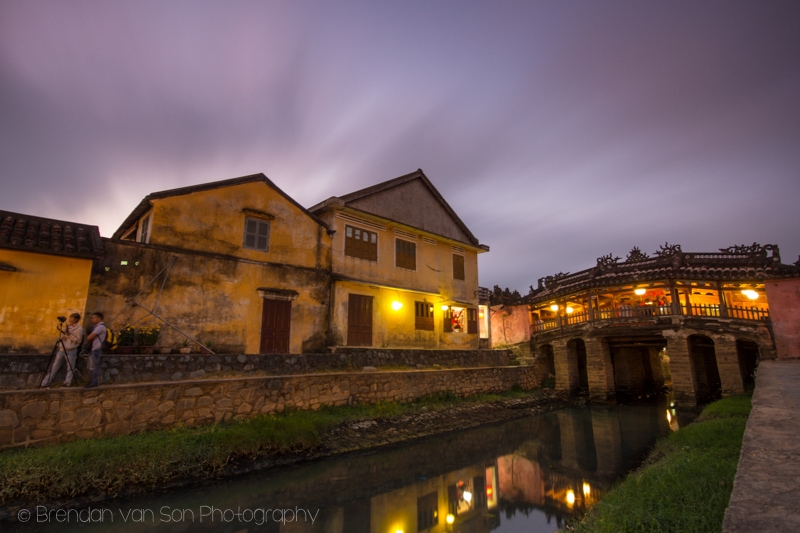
(27, 371)
(38, 416)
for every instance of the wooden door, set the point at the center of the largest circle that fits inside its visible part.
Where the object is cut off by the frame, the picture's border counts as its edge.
(359, 320)
(276, 321)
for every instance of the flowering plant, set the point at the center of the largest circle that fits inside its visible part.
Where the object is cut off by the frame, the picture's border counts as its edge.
(144, 336)
(148, 335)
(127, 336)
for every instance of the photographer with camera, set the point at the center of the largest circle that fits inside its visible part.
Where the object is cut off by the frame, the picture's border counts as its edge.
(96, 337)
(66, 349)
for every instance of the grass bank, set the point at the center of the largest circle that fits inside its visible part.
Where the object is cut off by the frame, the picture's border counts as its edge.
(686, 481)
(146, 461)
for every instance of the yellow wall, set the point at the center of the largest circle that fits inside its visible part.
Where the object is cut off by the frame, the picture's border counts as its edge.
(432, 281)
(213, 221)
(43, 287)
(212, 288)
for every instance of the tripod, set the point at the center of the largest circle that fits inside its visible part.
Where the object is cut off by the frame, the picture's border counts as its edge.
(58, 347)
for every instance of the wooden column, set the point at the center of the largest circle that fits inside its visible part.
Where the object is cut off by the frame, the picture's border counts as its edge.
(723, 305)
(590, 306)
(675, 299)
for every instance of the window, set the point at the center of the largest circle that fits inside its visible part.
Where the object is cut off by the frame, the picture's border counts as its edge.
(144, 234)
(405, 254)
(360, 243)
(427, 511)
(256, 234)
(458, 267)
(447, 320)
(472, 321)
(423, 316)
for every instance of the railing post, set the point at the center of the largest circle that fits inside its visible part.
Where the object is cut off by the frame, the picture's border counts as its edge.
(723, 305)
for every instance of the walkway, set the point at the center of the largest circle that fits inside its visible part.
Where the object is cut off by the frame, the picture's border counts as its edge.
(766, 491)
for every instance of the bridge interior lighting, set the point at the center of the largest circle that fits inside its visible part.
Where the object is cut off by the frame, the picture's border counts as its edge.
(570, 310)
(640, 292)
(554, 307)
(751, 294)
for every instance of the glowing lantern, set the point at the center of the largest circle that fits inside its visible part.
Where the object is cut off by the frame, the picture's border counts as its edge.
(397, 305)
(554, 307)
(751, 294)
(640, 292)
(450, 519)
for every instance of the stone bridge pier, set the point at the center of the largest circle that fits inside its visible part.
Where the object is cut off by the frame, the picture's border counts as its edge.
(699, 364)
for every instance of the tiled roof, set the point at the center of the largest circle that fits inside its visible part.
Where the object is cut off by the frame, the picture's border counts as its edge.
(146, 204)
(737, 263)
(48, 236)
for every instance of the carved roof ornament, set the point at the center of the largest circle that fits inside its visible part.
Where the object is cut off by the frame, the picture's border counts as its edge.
(797, 263)
(552, 281)
(636, 256)
(607, 261)
(667, 249)
(754, 248)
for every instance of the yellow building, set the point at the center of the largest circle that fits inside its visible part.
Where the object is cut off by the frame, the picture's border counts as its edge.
(405, 269)
(237, 265)
(44, 273)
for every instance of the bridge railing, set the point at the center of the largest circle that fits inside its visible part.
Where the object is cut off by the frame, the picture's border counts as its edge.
(651, 311)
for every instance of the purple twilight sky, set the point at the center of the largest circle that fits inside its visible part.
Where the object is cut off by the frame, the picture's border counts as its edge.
(559, 131)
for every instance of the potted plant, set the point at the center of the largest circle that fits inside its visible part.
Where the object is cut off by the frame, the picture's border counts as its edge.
(185, 348)
(126, 340)
(147, 337)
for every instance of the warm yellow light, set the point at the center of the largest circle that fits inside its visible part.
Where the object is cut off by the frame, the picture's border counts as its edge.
(398, 531)
(570, 310)
(554, 307)
(640, 292)
(570, 497)
(445, 308)
(450, 519)
(669, 416)
(750, 293)
(587, 489)
(467, 496)
(397, 305)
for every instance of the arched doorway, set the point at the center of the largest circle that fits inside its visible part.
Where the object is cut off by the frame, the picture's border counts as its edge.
(576, 353)
(748, 354)
(703, 356)
(547, 364)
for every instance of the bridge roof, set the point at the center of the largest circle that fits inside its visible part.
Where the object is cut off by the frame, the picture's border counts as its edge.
(736, 263)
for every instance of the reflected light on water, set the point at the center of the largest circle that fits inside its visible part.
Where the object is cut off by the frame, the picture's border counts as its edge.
(571, 497)
(587, 489)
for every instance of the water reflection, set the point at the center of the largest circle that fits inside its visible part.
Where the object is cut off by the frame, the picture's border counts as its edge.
(526, 475)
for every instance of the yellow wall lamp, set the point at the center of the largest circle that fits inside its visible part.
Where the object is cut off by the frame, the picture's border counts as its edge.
(397, 305)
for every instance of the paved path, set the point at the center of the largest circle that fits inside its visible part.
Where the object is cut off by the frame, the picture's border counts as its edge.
(766, 491)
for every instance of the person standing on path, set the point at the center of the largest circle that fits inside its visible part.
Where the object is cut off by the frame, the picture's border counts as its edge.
(71, 338)
(96, 337)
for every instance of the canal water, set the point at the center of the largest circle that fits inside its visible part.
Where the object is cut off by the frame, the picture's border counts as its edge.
(528, 475)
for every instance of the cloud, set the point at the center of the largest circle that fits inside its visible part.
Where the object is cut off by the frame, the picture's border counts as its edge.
(559, 132)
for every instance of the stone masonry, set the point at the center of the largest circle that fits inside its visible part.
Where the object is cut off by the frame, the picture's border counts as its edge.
(41, 416)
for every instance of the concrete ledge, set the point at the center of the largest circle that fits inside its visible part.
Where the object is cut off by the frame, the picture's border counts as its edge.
(27, 371)
(766, 490)
(42, 416)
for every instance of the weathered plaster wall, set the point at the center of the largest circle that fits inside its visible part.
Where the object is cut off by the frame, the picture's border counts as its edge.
(27, 371)
(395, 328)
(510, 325)
(212, 297)
(37, 416)
(43, 287)
(213, 221)
(784, 309)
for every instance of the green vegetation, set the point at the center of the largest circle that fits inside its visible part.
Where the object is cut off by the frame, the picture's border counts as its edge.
(148, 460)
(685, 483)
